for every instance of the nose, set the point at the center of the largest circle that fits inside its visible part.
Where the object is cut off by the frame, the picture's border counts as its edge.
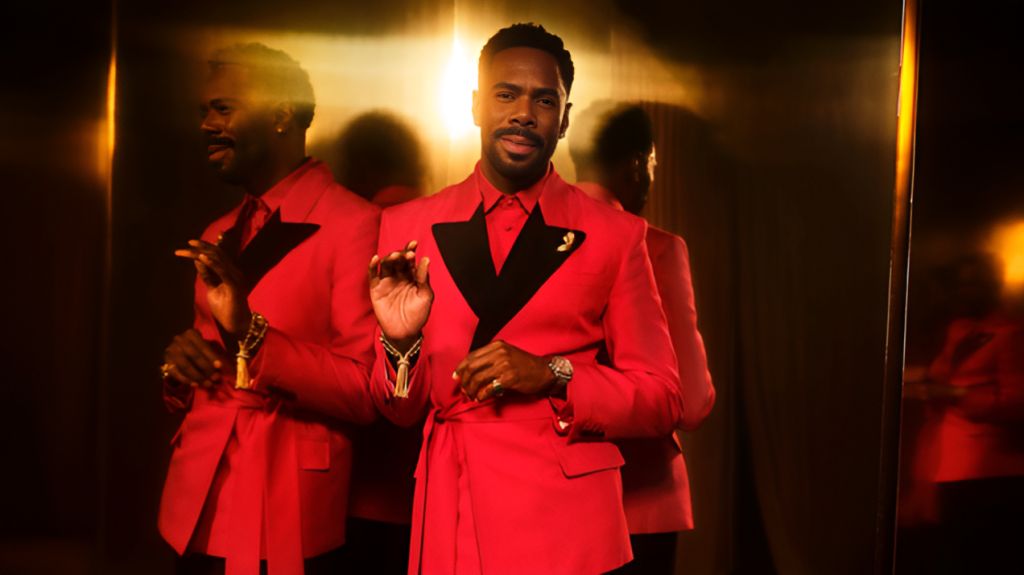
(211, 123)
(523, 114)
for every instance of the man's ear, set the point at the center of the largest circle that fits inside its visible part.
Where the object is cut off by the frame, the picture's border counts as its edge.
(284, 117)
(476, 108)
(565, 121)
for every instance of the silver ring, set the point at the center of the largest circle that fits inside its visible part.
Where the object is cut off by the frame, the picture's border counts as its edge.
(497, 388)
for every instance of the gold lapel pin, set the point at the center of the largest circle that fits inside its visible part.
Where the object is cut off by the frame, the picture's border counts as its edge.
(220, 239)
(568, 238)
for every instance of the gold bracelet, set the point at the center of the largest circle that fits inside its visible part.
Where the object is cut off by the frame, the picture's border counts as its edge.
(402, 379)
(257, 329)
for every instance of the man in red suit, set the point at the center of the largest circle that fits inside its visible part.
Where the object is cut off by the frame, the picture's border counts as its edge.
(612, 147)
(530, 281)
(275, 371)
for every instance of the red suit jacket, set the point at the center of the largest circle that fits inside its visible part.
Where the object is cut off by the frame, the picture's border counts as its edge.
(285, 445)
(655, 485)
(535, 480)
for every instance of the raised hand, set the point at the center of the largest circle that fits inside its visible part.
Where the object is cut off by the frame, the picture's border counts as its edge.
(190, 359)
(401, 295)
(516, 369)
(225, 286)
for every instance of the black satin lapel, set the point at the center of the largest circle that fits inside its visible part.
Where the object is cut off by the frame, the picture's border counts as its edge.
(268, 247)
(533, 259)
(467, 255)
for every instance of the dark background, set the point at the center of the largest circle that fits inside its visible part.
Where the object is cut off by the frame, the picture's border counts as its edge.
(782, 189)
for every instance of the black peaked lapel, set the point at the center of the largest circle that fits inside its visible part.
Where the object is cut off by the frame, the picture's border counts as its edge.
(536, 255)
(466, 253)
(495, 300)
(264, 251)
(269, 246)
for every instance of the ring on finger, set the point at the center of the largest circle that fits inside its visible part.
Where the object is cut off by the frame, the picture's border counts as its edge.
(497, 389)
(165, 369)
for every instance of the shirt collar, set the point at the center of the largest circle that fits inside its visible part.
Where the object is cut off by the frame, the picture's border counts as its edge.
(601, 194)
(527, 198)
(273, 197)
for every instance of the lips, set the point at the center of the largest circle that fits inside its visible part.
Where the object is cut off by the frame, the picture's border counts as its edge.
(217, 152)
(518, 145)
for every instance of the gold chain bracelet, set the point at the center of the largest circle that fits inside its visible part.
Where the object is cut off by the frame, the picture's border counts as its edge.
(257, 330)
(402, 379)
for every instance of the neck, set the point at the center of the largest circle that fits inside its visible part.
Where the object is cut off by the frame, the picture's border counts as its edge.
(508, 185)
(280, 166)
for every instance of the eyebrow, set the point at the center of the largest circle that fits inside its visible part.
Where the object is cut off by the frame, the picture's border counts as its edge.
(519, 89)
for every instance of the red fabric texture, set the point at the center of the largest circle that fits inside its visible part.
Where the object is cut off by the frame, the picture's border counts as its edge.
(265, 473)
(543, 498)
(982, 435)
(655, 485)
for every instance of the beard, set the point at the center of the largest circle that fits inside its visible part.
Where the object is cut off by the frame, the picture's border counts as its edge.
(518, 167)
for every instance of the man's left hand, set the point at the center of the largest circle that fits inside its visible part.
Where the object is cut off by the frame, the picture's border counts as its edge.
(225, 286)
(498, 361)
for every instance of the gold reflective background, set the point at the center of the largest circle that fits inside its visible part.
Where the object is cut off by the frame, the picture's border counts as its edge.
(775, 128)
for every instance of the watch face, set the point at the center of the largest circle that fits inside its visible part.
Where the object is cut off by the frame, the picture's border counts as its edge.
(561, 367)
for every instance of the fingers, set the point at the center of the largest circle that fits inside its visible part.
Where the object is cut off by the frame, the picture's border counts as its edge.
(400, 265)
(422, 274)
(193, 360)
(212, 264)
(479, 369)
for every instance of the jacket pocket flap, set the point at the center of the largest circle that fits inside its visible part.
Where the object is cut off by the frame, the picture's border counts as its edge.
(314, 455)
(582, 458)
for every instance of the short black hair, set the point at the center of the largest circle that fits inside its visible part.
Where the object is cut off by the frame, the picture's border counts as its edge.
(607, 132)
(277, 73)
(529, 35)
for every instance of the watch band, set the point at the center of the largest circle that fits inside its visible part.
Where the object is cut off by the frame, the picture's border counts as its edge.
(562, 369)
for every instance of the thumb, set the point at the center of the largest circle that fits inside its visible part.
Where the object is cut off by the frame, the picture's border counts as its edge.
(209, 278)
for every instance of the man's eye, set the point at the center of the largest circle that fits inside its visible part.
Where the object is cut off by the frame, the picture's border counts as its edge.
(546, 102)
(505, 96)
(223, 109)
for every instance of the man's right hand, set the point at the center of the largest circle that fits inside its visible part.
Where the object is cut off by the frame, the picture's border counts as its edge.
(401, 295)
(192, 360)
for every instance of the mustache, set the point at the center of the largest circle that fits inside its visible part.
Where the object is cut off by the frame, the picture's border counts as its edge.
(220, 141)
(521, 132)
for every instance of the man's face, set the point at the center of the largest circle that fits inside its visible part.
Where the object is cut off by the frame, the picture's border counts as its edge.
(237, 124)
(522, 112)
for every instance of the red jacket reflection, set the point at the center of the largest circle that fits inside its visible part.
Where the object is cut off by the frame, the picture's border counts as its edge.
(517, 484)
(655, 485)
(283, 447)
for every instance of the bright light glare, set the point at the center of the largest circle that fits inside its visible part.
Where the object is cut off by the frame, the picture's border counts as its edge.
(1009, 244)
(456, 96)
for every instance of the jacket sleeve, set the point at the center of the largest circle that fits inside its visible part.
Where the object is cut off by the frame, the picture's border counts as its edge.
(638, 395)
(672, 274)
(331, 379)
(403, 411)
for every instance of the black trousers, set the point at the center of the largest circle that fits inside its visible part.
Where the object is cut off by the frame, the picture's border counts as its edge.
(370, 547)
(653, 554)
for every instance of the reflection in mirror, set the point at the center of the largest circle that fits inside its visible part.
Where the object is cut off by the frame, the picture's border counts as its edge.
(961, 493)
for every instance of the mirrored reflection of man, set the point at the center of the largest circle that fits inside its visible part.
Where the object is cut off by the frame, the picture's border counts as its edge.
(529, 281)
(258, 480)
(381, 159)
(612, 147)
(975, 392)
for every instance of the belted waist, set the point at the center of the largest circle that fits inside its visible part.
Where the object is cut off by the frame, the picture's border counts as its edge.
(494, 411)
(226, 396)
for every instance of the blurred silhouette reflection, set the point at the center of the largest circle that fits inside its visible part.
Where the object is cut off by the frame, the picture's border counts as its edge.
(380, 158)
(970, 453)
(612, 147)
